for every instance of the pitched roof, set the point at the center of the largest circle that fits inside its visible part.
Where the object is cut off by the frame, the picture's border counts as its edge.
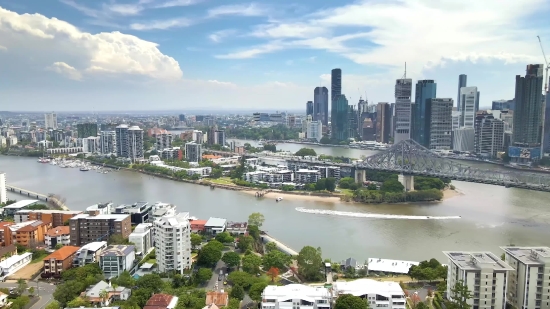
(60, 230)
(158, 301)
(219, 298)
(8, 249)
(31, 227)
(62, 253)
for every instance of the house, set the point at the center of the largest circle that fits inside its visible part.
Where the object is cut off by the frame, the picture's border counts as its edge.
(60, 260)
(161, 301)
(58, 235)
(197, 226)
(378, 294)
(215, 226)
(217, 298)
(102, 294)
(3, 299)
(116, 259)
(6, 252)
(238, 228)
(89, 253)
(296, 295)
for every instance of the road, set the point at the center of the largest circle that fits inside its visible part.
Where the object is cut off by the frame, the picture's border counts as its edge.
(44, 291)
(216, 273)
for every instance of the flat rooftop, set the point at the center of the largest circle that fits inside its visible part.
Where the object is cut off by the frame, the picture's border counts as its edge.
(49, 211)
(528, 255)
(477, 260)
(21, 204)
(116, 217)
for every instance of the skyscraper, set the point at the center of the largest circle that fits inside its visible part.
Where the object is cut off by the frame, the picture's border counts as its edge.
(339, 118)
(309, 108)
(320, 105)
(439, 123)
(489, 135)
(335, 86)
(50, 121)
(462, 82)
(468, 102)
(403, 92)
(135, 143)
(383, 122)
(425, 91)
(526, 135)
(121, 132)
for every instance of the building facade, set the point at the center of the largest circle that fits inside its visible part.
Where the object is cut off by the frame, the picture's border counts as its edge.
(468, 101)
(3, 189)
(378, 294)
(439, 123)
(60, 235)
(383, 122)
(142, 237)
(503, 105)
(489, 135)
(87, 228)
(163, 141)
(425, 91)
(121, 133)
(462, 82)
(309, 108)
(172, 239)
(108, 142)
(296, 296)
(403, 92)
(335, 84)
(86, 130)
(320, 105)
(60, 260)
(50, 121)
(135, 143)
(116, 259)
(193, 152)
(339, 118)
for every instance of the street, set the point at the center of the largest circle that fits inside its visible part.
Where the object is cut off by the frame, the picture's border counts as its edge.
(44, 291)
(216, 273)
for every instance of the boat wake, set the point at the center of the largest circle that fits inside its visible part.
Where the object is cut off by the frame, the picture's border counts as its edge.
(370, 215)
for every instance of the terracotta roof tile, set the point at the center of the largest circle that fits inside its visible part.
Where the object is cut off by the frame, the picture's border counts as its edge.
(60, 230)
(62, 253)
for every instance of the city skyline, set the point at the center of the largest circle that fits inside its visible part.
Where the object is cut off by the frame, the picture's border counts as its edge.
(133, 54)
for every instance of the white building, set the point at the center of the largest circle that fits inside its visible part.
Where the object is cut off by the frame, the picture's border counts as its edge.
(89, 253)
(483, 273)
(172, 238)
(164, 140)
(464, 139)
(3, 189)
(198, 137)
(101, 208)
(377, 293)
(307, 176)
(215, 226)
(403, 93)
(469, 103)
(116, 259)
(529, 282)
(91, 144)
(50, 121)
(294, 296)
(313, 129)
(60, 235)
(3, 143)
(14, 263)
(142, 237)
(193, 152)
(12, 140)
(107, 143)
(135, 143)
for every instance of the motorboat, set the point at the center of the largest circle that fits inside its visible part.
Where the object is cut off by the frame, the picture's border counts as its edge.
(43, 160)
(279, 199)
(84, 169)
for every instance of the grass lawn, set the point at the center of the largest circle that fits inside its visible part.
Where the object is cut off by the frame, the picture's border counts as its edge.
(39, 257)
(346, 191)
(222, 181)
(151, 261)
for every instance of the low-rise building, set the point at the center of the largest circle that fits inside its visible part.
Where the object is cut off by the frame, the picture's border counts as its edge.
(197, 226)
(58, 235)
(529, 281)
(60, 260)
(218, 298)
(110, 294)
(142, 238)
(116, 259)
(307, 176)
(161, 301)
(27, 233)
(89, 253)
(378, 294)
(14, 263)
(3, 299)
(236, 228)
(6, 252)
(55, 217)
(295, 296)
(174, 153)
(483, 273)
(10, 210)
(86, 228)
(215, 226)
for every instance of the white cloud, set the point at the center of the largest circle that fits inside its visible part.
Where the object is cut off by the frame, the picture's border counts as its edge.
(3, 48)
(162, 24)
(252, 52)
(125, 9)
(65, 70)
(218, 36)
(175, 3)
(251, 9)
(49, 40)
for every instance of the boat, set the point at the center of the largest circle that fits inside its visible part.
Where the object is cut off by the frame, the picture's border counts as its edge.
(43, 160)
(279, 199)
(84, 169)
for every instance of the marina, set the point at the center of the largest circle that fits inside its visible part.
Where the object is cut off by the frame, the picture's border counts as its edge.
(83, 166)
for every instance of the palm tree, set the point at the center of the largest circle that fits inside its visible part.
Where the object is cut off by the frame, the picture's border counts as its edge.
(104, 294)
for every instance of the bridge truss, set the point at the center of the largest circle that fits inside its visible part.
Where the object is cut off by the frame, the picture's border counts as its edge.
(410, 158)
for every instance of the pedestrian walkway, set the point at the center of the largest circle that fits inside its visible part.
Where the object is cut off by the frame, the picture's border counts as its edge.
(286, 249)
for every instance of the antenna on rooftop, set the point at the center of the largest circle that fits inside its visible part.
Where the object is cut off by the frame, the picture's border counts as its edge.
(405, 75)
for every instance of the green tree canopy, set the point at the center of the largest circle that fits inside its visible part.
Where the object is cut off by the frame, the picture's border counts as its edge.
(224, 238)
(459, 296)
(203, 275)
(210, 253)
(237, 292)
(270, 246)
(256, 291)
(251, 263)
(277, 259)
(256, 219)
(242, 278)
(232, 259)
(196, 240)
(348, 301)
(245, 243)
(392, 186)
(310, 263)
(305, 152)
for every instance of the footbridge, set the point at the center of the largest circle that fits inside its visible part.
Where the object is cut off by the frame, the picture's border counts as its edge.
(52, 199)
(408, 158)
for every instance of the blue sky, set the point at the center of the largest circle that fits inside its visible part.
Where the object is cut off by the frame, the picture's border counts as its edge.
(211, 54)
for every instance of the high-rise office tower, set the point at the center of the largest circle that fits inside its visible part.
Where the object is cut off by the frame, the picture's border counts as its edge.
(439, 123)
(383, 122)
(320, 105)
(309, 108)
(50, 121)
(425, 91)
(462, 82)
(546, 137)
(339, 118)
(335, 87)
(489, 135)
(503, 105)
(403, 91)
(135, 143)
(121, 132)
(353, 125)
(526, 135)
(182, 117)
(468, 102)
(219, 137)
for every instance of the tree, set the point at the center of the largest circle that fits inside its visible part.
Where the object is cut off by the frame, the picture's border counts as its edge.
(151, 282)
(125, 280)
(203, 275)
(78, 302)
(21, 286)
(310, 263)
(460, 296)
(321, 184)
(237, 292)
(117, 239)
(254, 231)
(421, 305)
(241, 278)
(245, 243)
(256, 219)
(346, 182)
(273, 273)
(251, 263)
(196, 240)
(392, 186)
(348, 301)
(103, 294)
(233, 304)
(224, 238)
(256, 291)
(276, 259)
(305, 152)
(232, 259)
(31, 291)
(58, 246)
(211, 253)
(270, 246)
(330, 184)
(54, 304)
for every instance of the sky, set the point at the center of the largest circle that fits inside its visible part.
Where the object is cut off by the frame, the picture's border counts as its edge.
(101, 55)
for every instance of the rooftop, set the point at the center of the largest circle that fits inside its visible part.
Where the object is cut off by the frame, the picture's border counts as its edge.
(116, 217)
(118, 250)
(15, 227)
(390, 266)
(219, 298)
(94, 246)
(62, 253)
(161, 301)
(477, 260)
(529, 255)
(177, 220)
(95, 290)
(215, 222)
(198, 222)
(21, 204)
(361, 287)
(237, 225)
(9, 262)
(295, 291)
(49, 211)
(31, 227)
(60, 230)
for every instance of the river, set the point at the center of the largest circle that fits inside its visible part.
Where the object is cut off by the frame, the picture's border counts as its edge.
(491, 216)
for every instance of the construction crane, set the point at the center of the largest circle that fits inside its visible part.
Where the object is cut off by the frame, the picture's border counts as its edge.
(546, 84)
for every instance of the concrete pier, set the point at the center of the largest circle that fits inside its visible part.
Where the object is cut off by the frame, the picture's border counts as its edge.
(52, 199)
(284, 248)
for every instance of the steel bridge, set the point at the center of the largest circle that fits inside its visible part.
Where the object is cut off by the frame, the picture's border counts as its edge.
(412, 159)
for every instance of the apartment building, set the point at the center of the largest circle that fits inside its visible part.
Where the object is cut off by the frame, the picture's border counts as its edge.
(55, 217)
(529, 281)
(483, 273)
(378, 294)
(28, 233)
(58, 235)
(89, 253)
(163, 141)
(60, 260)
(295, 296)
(307, 176)
(172, 238)
(86, 228)
(142, 238)
(139, 211)
(193, 152)
(116, 259)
